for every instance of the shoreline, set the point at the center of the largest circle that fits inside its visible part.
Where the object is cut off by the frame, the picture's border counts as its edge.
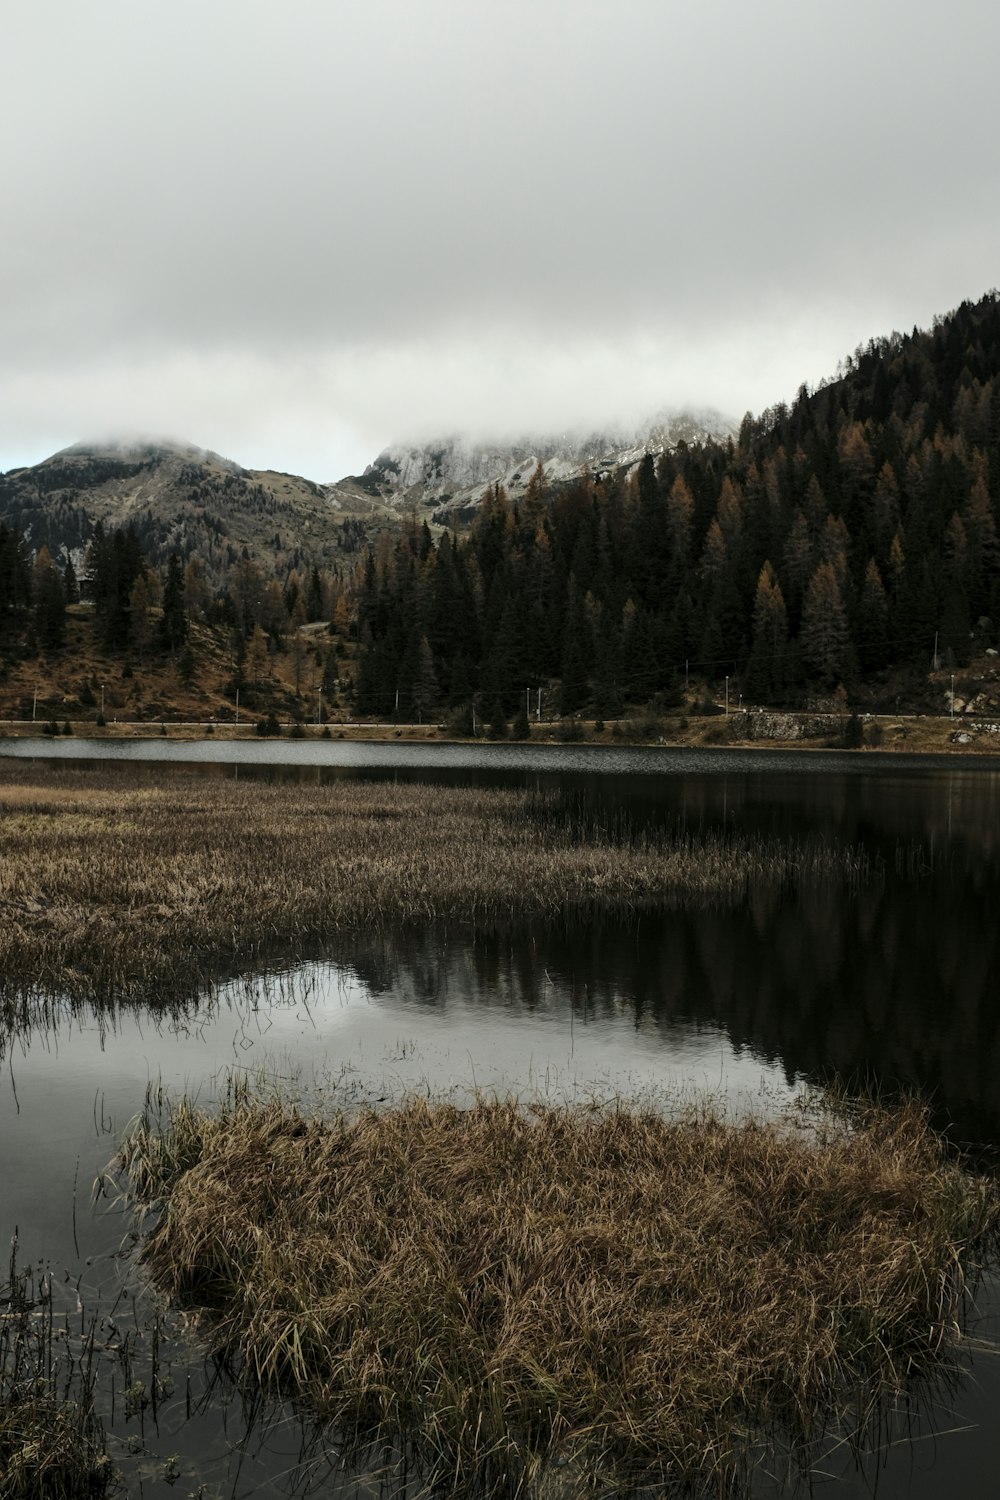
(901, 735)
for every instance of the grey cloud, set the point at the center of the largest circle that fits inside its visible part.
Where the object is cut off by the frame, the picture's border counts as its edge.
(338, 198)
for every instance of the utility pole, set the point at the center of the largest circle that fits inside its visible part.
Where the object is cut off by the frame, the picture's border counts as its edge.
(727, 697)
(237, 706)
(34, 704)
(319, 706)
(952, 695)
(538, 707)
(102, 700)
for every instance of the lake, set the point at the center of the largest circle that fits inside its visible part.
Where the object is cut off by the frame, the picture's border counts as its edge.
(891, 984)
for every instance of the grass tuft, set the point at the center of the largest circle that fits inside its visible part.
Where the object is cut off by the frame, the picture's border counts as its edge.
(514, 1291)
(51, 1441)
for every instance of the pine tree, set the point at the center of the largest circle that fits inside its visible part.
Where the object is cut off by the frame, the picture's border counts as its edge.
(15, 574)
(173, 621)
(825, 636)
(140, 622)
(871, 632)
(764, 679)
(825, 639)
(577, 653)
(114, 563)
(424, 687)
(49, 602)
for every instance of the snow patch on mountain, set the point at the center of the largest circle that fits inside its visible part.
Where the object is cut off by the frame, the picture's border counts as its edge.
(456, 471)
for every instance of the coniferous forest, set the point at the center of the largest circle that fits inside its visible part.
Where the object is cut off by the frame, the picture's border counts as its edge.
(840, 540)
(842, 544)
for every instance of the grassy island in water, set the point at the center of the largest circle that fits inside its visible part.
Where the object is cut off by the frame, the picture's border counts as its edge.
(509, 1292)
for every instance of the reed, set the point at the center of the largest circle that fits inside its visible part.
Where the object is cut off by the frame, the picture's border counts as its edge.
(52, 1444)
(114, 884)
(525, 1297)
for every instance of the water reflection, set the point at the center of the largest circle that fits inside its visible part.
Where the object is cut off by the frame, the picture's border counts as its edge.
(894, 983)
(874, 988)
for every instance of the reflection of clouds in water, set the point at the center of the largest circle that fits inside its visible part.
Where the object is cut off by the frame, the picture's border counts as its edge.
(459, 1036)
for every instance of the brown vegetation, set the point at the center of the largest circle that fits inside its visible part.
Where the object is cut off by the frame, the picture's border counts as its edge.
(112, 883)
(145, 687)
(51, 1442)
(629, 1298)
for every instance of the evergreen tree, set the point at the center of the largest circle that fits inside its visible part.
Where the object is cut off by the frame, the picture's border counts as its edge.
(114, 563)
(826, 642)
(71, 588)
(872, 628)
(173, 621)
(140, 622)
(497, 727)
(764, 679)
(15, 574)
(577, 653)
(424, 688)
(49, 602)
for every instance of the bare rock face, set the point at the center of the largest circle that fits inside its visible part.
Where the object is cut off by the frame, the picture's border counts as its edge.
(455, 472)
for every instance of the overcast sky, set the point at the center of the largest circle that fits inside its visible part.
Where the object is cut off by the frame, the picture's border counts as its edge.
(297, 230)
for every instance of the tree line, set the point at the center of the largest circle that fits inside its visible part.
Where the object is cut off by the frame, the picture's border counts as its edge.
(141, 610)
(840, 540)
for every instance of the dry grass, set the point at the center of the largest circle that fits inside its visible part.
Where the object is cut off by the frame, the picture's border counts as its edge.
(514, 1292)
(133, 886)
(51, 1442)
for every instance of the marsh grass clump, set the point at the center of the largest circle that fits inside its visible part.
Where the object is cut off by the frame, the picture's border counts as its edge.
(507, 1290)
(51, 1440)
(116, 884)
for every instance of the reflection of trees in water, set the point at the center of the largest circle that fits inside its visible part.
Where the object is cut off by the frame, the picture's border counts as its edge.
(896, 984)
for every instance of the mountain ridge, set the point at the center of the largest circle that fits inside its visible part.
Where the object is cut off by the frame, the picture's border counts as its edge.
(451, 474)
(191, 500)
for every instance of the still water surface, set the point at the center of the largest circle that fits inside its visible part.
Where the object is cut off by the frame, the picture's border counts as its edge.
(898, 982)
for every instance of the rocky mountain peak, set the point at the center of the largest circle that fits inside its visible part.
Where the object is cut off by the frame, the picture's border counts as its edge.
(453, 472)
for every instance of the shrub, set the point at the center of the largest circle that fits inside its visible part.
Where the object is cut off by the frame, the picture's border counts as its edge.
(460, 723)
(569, 731)
(853, 733)
(497, 728)
(647, 726)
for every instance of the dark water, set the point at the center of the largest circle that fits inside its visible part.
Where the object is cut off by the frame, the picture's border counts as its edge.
(897, 983)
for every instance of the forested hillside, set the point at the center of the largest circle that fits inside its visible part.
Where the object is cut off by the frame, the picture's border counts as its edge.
(840, 540)
(847, 541)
